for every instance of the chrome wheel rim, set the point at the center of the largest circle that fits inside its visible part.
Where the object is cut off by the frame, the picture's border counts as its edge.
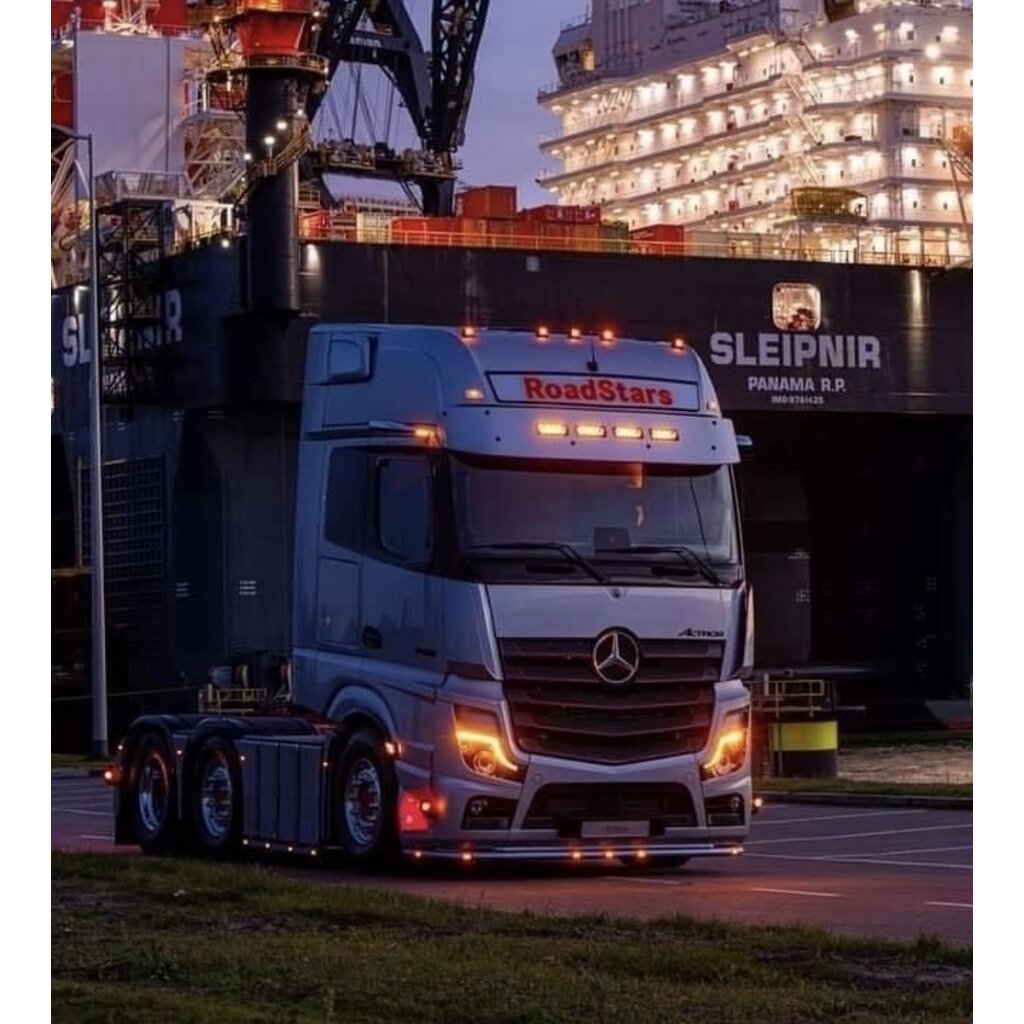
(363, 802)
(216, 797)
(153, 792)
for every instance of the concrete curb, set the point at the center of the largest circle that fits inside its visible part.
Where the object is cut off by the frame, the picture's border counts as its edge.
(939, 803)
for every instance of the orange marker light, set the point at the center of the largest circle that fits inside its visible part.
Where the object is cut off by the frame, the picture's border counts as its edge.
(549, 429)
(576, 855)
(609, 854)
(468, 333)
(466, 857)
(628, 433)
(607, 336)
(575, 334)
(543, 334)
(664, 434)
(473, 394)
(679, 344)
(591, 430)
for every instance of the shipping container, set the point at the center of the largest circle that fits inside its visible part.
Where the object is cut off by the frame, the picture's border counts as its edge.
(498, 201)
(562, 214)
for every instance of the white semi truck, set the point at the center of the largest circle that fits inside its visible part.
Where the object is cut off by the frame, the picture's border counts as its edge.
(521, 619)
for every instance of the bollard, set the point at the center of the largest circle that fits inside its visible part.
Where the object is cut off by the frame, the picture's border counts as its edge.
(807, 749)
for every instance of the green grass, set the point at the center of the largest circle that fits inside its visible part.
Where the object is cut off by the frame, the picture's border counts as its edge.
(844, 786)
(82, 761)
(175, 941)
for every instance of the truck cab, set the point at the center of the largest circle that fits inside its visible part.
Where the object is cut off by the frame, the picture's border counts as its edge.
(520, 595)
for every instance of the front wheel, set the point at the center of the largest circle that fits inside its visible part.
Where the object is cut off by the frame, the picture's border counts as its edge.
(153, 795)
(365, 801)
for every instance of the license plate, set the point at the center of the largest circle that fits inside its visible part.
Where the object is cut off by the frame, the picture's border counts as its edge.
(615, 829)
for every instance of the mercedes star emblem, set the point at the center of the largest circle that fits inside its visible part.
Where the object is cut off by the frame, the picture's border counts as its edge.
(616, 656)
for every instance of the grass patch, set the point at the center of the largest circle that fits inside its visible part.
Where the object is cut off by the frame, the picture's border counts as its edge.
(145, 939)
(840, 786)
(82, 761)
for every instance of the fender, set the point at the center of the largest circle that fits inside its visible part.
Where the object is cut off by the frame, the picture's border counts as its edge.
(354, 700)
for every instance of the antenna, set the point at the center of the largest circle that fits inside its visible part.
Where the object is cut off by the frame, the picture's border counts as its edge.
(592, 362)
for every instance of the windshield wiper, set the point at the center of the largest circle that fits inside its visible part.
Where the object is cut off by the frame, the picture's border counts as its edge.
(685, 553)
(567, 551)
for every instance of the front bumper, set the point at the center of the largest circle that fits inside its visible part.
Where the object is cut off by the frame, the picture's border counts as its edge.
(570, 852)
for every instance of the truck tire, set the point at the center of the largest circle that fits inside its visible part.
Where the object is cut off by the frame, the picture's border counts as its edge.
(365, 800)
(153, 793)
(216, 798)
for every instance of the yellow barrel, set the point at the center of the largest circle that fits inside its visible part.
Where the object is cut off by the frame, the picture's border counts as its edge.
(805, 749)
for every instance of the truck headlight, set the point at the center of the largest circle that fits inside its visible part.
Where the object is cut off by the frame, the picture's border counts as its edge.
(478, 735)
(729, 753)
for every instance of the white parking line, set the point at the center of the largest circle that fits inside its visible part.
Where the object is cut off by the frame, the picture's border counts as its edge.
(646, 881)
(861, 860)
(936, 903)
(852, 835)
(925, 849)
(799, 892)
(833, 817)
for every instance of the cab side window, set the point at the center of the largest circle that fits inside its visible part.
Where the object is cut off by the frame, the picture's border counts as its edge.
(405, 513)
(345, 500)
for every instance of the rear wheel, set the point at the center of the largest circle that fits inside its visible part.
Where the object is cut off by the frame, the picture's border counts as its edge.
(216, 798)
(153, 795)
(365, 801)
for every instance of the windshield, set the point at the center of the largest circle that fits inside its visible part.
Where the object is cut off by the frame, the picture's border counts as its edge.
(616, 515)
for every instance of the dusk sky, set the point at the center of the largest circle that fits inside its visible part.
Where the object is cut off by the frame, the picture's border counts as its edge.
(504, 121)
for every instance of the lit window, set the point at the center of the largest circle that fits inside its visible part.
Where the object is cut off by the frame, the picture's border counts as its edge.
(796, 307)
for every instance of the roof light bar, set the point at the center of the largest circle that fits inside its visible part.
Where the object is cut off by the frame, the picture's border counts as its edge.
(547, 428)
(626, 433)
(591, 430)
(664, 434)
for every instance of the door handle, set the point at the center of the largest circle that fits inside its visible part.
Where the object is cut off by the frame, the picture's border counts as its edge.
(372, 638)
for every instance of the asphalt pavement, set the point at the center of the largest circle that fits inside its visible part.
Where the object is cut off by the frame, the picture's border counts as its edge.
(861, 871)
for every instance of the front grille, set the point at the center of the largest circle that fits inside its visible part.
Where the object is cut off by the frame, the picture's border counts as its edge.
(560, 708)
(565, 806)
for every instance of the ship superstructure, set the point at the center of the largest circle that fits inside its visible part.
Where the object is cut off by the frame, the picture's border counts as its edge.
(801, 128)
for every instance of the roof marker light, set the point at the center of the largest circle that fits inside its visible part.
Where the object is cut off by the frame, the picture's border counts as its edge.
(547, 428)
(591, 430)
(424, 433)
(543, 333)
(468, 333)
(575, 334)
(607, 336)
(576, 855)
(473, 395)
(679, 344)
(628, 433)
(664, 434)
(466, 857)
(609, 854)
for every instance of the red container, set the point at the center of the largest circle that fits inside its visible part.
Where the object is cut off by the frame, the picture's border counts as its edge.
(497, 201)
(658, 233)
